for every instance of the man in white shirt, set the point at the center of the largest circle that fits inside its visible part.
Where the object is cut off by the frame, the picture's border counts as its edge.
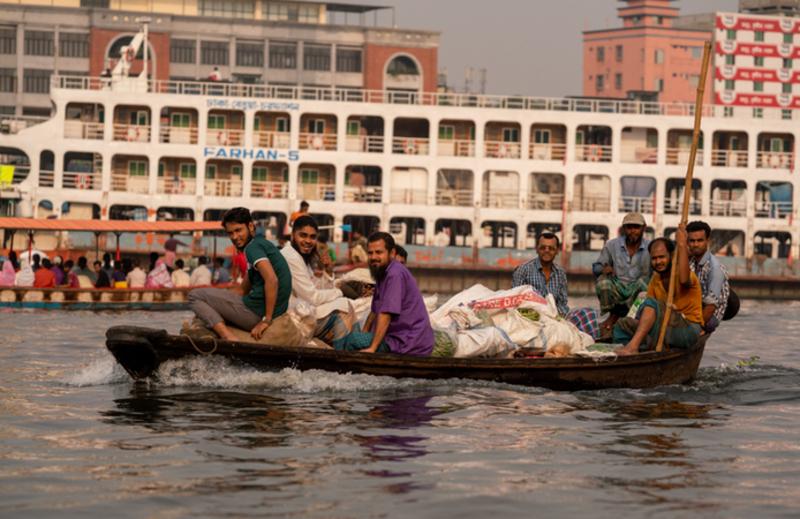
(136, 278)
(335, 314)
(201, 275)
(179, 276)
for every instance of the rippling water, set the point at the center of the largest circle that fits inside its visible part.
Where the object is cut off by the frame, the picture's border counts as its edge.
(218, 439)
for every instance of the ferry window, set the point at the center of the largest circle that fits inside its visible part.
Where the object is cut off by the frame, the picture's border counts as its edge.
(316, 57)
(72, 45)
(8, 80)
(541, 136)
(730, 35)
(619, 52)
(39, 43)
(181, 120)
(659, 57)
(353, 127)
(788, 38)
(579, 138)
(216, 122)
(259, 174)
(618, 81)
(758, 61)
(758, 86)
(161, 168)
(188, 170)
(99, 4)
(601, 53)
(309, 176)
(137, 168)
(697, 52)
(249, 54)
(236, 171)
(282, 125)
(759, 36)
(211, 171)
(510, 135)
(729, 84)
(446, 133)
(8, 41)
(286, 174)
(214, 52)
(730, 60)
(348, 60)
(257, 124)
(316, 126)
(283, 55)
(36, 81)
(787, 62)
(182, 51)
(222, 9)
(139, 118)
(787, 88)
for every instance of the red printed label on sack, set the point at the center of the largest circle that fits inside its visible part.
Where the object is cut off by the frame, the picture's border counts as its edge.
(508, 302)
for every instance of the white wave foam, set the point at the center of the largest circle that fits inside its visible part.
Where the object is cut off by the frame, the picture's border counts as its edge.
(100, 372)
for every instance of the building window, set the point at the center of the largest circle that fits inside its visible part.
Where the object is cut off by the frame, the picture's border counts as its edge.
(658, 20)
(730, 59)
(697, 52)
(8, 80)
(316, 57)
(788, 38)
(289, 13)
(259, 174)
(601, 53)
(98, 4)
(224, 9)
(786, 114)
(183, 51)
(39, 43)
(618, 81)
(214, 52)
(642, 55)
(619, 52)
(758, 61)
(36, 81)
(728, 111)
(731, 35)
(758, 86)
(729, 84)
(541, 136)
(600, 80)
(137, 168)
(72, 45)
(659, 57)
(758, 113)
(637, 20)
(8, 41)
(787, 62)
(759, 36)
(694, 81)
(787, 88)
(249, 54)
(348, 60)
(658, 85)
(283, 55)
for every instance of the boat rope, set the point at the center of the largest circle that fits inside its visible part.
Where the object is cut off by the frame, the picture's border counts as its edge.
(198, 350)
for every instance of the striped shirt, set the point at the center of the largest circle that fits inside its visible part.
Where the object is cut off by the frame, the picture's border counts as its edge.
(713, 282)
(531, 273)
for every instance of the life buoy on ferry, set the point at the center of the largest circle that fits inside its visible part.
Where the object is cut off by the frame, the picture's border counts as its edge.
(774, 160)
(593, 153)
(222, 138)
(502, 151)
(410, 147)
(132, 134)
(130, 55)
(317, 142)
(268, 190)
(82, 181)
(177, 187)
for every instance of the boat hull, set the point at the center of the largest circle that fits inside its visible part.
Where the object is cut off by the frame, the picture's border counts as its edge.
(141, 350)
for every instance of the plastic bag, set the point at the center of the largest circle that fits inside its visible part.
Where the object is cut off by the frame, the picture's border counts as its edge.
(304, 318)
(483, 342)
(445, 342)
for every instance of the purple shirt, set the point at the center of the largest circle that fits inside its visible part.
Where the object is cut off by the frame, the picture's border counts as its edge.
(59, 274)
(410, 330)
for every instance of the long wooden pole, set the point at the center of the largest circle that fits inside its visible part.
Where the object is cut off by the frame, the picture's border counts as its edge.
(698, 115)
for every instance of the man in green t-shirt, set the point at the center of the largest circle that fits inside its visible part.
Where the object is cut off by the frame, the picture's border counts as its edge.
(264, 292)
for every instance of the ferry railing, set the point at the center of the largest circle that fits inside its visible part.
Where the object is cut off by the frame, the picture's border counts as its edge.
(636, 204)
(593, 153)
(457, 197)
(318, 141)
(728, 208)
(675, 206)
(365, 194)
(177, 135)
(278, 140)
(773, 209)
(47, 178)
(216, 137)
(680, 157)
(455, 148)
(729, 158)
(638, 155)
(774, 160)
(130, 183)
(545, 201)
(12, 124)
(409, 196)
(537, 151)
(20, 173)
(78, 180)
(364, 143)
(176, 186)
(77, 129)
(223, 187)
(502, 150)
(594, 204)
(410, 145)
(132, 133)
(260, 189)
(505, 198)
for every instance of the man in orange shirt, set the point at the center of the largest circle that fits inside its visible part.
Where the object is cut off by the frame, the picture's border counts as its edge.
(297, 214)
(686, 319)
(44, 277)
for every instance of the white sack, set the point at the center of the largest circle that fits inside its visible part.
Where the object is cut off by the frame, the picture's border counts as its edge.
(440, 316)
(483, 342)
(521, 330)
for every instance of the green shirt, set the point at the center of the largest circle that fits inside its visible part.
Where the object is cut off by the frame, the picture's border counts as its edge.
(260, 249)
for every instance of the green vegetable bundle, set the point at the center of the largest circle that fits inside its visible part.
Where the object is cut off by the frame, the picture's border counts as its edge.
(444, 343)
(528, 314)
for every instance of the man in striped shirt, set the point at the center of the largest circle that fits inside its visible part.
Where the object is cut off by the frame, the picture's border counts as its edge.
(542, 274)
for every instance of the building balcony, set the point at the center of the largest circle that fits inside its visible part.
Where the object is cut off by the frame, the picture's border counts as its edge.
(501, 199)
(729, 158)
(224, 137)
(83, 130)
(47, 178)
(592, 204)
(131, 133)
(593, 153)
(318, 141)
(130, 184)
(546, 202)
(323, 192)
(223, 187)
(456, 197)
(176, 186)
(368, 194)
(638, 155)
(680, 157)
(364, 143)
(409, 196)
(774, 160)
(176, 135)
(636, 204)
(456, 148)
(276, 140)
(502, 150)
(728, 208)
(410, 145)
(269, 189)
(773, 209)
(547, 151)
(74, 180)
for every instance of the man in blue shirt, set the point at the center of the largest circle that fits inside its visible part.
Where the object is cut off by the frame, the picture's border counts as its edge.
(711, 273)
(623, 270)
(542, 274)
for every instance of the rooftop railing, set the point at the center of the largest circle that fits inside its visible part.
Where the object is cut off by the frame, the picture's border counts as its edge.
(280, 95)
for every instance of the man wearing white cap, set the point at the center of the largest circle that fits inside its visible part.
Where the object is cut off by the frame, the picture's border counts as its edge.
(623, 270)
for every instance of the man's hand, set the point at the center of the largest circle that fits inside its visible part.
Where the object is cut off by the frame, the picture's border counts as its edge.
(259, 330)
(372, 349)
(327, 262)
(681, 236)
(608, 271)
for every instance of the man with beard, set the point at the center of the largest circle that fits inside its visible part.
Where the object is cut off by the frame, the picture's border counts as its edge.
(711, 273)
(542, 274)
(622, 270)
(686, 320)
(334, 313)
(265, 290)
(398, 321)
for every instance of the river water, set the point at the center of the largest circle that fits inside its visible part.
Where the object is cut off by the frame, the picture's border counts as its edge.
(216, 439)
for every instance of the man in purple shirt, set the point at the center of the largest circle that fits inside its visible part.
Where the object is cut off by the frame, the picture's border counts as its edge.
(398, 321)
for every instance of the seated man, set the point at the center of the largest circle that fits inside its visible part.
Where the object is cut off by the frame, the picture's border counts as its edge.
(82, 269)
(221, 276)
(264, 292)
(622, 270)
(70, 277)
(334, 313)
(710, 272)
(44, 277)
(179, 276)
(542, 274)
(685, 324)
(201, 275)
(398, 321)
(136, 278)
(102, 278)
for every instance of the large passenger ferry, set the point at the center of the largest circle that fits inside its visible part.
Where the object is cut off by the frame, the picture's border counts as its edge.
(462, 179)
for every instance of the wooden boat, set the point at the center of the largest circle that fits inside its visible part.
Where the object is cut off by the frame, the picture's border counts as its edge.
(141, 350)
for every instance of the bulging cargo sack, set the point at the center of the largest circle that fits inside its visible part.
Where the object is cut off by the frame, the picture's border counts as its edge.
(483, 342)
(441, 317)
(519, 297)
(521, 330)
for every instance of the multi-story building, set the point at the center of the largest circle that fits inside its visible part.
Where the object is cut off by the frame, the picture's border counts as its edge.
(274, 43)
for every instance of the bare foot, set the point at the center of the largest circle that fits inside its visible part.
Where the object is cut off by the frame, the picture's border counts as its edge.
(609, 323)
(630, 349)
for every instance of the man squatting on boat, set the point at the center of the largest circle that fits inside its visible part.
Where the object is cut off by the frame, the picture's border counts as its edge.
(265, 290)
(711, 273)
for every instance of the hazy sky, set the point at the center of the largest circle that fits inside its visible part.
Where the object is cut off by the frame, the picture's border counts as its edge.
(529, 47)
